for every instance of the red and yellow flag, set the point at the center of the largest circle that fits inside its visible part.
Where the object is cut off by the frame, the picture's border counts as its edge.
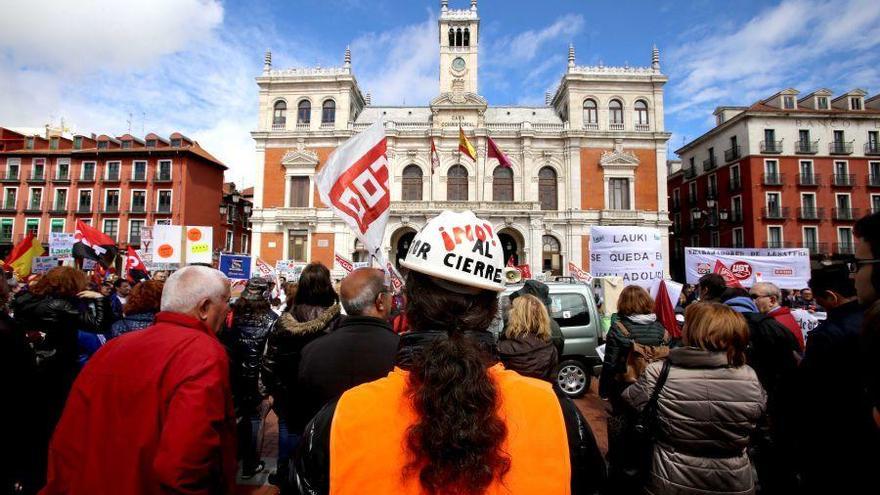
(465, 146)
(22, 255)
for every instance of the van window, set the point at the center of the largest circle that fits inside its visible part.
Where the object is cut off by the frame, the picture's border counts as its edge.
(569, 310)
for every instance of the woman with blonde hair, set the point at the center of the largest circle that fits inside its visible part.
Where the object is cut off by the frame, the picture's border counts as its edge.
(526, 346)
(708, 403)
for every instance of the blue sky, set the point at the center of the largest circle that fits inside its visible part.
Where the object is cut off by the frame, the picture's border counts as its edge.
(189, 65)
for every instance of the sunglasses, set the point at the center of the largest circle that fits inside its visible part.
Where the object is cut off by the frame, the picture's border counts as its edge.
(853, 266)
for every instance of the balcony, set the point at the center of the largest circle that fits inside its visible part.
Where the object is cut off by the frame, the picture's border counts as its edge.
(303, 126)
(111, 178)
(709, 164)
(58, 209)
(163, 210)
(615, 126)
(10, 180)
(279, 124)
(808, 180)
(39, 179)
(847, 248)
(778, 244)
(735, 184)
(773, 179)
(840, 148)
(160, 178)
(843, 180)
(771, 147)
(872, 148)
(846, 214)
(34, 208)
(811, 213)
(777, 213)
(84, 209)
(643, 127)
(8, 208)
(815, 248)
(111, 210)
(806, 147)
(591, 126)
(86, 179)
(732, 154)
(690, 173)
(61, 180)
(5, 238)
(138, 210)
(874, 180)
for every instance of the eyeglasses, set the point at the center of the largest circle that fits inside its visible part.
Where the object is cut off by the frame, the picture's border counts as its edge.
(853, 266)
(757, 296)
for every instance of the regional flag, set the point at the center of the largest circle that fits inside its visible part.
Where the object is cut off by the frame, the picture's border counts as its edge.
(22, 255)
(435, 157)
(135, 268)
(93, 244)
(494, 152)
(465, 146)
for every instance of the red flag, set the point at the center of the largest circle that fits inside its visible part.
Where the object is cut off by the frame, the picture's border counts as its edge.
(93, 244)
(665, 311)
(495, 152)
(510, 262)
(729, 279)
(435, 157)
(134, 266)
(525, 271)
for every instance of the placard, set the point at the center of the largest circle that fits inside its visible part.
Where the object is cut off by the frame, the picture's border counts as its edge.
(42, 264)
(787, 268)
(235, 267)
(167, 245)
(61, 244)
(633, 253)
(289, 269)
(199, 244)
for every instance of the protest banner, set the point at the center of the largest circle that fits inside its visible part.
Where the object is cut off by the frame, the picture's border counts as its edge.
(264, 269)
(61, 244)
(167, 243)
(578, 274)
(787, 268)
(146, 250)
(235, 267)
(88, 264)
(354, 184)
(632, 253)
(360, 264)
(344, 263)
(289, 269)
(199, 244)
(42, 264)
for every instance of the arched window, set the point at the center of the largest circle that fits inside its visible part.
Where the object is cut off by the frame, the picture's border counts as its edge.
(451, 37)
(304, 112)
(328, 112)
(279, 116)
(467, 37)
(458, 37)
(360, 253)
(641, 109)
(502, 184)
(615, 112)
(457, 183)
(412, 183)
(551, 255)
(547, 188)
(591, 112)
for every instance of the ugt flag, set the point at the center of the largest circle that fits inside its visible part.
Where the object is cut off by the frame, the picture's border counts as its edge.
(93, 244)
(354, 184)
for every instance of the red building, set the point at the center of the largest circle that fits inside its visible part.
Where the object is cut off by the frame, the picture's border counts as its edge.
(235, 210)
(783, 172)
(118, 184)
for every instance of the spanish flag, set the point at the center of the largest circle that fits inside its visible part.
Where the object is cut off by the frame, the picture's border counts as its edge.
(465, 146)
(23, 254)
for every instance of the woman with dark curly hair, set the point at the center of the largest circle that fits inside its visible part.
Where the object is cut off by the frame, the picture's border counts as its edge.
(140, 308)
(450, 419)
(52, 312)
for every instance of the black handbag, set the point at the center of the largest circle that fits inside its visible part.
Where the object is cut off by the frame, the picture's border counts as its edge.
(631, 451)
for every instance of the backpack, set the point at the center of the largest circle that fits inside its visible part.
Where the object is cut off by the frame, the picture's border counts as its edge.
(640, 356)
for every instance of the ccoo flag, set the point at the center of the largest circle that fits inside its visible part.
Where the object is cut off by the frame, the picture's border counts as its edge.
(465, 146)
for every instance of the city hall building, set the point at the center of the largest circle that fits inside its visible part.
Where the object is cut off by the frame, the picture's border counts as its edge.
(594, 154)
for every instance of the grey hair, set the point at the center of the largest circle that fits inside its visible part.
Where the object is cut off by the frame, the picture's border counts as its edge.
(188, 286)
(367, 296)
(770, 288)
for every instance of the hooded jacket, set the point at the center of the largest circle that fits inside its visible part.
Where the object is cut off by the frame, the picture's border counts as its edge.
(529, 355)
(644, 329)
(707, 411)
(283, 354)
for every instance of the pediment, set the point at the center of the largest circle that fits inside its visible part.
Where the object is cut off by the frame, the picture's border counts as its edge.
(460, 100)
(618, 157)
(300, 158)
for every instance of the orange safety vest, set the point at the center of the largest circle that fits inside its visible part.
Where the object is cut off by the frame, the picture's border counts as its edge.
(368, 451)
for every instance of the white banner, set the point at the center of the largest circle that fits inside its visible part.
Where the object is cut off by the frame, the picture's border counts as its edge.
(787, 268)
(199, 244)
(166, 244)
(354, 184)
(632, 253)
(61, 244)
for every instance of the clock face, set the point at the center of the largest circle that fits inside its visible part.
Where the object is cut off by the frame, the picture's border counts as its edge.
(458, 64)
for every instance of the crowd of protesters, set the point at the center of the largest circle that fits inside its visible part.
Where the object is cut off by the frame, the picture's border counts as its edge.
(163, 386)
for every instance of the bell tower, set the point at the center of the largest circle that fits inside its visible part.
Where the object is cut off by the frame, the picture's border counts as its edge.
(459, 45)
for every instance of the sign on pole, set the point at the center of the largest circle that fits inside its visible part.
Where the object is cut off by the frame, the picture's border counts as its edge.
(632, 253)
(787, 268)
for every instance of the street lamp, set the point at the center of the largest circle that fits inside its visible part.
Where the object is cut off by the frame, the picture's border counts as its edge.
(223, 208)
(247, 209)
(235, 196)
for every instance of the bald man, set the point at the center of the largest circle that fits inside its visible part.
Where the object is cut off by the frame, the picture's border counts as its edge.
(360, 350)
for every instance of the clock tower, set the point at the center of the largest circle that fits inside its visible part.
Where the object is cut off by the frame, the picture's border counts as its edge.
(459, 44)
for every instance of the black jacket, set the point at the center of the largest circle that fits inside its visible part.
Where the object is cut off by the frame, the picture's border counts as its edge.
(246, 343)
(311, 464)
(283, 351)
(529, 355)
(617, 347)
(360, 350)
(773, 354)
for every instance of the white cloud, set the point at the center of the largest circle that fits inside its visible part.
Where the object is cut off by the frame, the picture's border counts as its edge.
(524, 47)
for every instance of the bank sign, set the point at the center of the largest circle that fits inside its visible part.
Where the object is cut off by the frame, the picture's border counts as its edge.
(633, 253)
(787, 268)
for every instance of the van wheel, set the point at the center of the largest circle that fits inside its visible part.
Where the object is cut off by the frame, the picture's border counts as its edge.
(573, 378)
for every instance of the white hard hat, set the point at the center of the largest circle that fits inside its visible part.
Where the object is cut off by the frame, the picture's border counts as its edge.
(458, 247)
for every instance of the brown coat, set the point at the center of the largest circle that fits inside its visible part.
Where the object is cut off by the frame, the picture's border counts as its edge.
(529, 356)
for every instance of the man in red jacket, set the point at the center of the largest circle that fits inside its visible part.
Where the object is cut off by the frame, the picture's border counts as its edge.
(152, 411)
(767, 296)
